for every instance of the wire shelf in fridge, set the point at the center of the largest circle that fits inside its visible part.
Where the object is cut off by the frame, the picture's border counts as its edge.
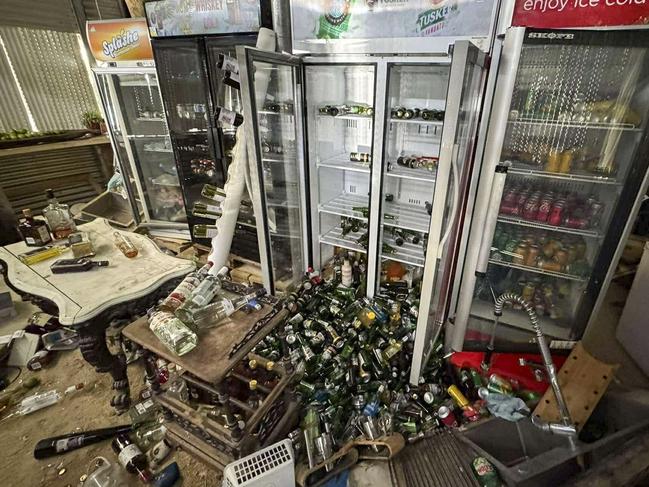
(410, 217)
(408, 253)
(537, 270)
(342, 162)
(336, 238)
(579, 177)
(369, 118)
(574, 124)
(417, 121)
(418, 174)
(545, 226)
(342, 205)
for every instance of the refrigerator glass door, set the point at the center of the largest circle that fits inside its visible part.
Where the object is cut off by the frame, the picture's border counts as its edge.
(446, 179)
(119, 143)
(141, 116)
(271, 96)
(576, 120)
(186, 92)
(340, 101)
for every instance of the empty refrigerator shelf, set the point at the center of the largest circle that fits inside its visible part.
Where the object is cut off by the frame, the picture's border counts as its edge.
(406, 254)
(545, 226)
(342, 162)
(268, 112)
(576, 125)
(417, 121)
(410, 217)
(336, 238)
(419, 174)
(582, 177)
(342, 205)
(537, 270)
(149, 119)
(519, 319)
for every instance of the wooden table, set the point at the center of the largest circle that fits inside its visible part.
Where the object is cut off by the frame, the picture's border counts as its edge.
(91, 301)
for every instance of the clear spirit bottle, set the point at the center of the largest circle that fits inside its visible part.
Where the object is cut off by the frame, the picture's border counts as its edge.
(172, 332)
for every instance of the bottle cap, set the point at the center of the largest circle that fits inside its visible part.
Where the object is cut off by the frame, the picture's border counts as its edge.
(270, 365)
(252, 364)
(371, 315)
(252, 384)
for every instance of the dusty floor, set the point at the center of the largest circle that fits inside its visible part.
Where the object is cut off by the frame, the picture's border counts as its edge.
(86, 409)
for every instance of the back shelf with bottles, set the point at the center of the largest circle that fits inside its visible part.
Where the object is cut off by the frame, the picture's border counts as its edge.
(415, 117)
(340, 115)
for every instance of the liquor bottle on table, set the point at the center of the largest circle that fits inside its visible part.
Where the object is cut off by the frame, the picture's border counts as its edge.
(172, 332)
(201, 296)
(125, 245)
(214, 313)
(34, 232)
(58, 216)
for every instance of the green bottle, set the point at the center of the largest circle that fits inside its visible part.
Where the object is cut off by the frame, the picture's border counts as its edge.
(485, 473)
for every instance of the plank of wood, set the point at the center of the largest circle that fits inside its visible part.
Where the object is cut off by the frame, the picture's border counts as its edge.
(583, 380)
(209, 361)
(30, 149)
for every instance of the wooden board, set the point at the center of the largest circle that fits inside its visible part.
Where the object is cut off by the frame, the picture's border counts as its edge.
(81, 296)
(209, 360)
(583, 380)
(30, 149)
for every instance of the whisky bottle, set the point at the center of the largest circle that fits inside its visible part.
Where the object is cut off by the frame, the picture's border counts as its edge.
(231, 79)
(205, 231)
(329, 110)
(58, 217)
(360, 157)
(125, 245)
(213, 193)
(363, 210)
(227, 63)
(34, 232)
(230, 117)
(207, 211)
(131, 457)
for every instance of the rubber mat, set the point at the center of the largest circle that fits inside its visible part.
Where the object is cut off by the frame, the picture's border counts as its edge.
(438, 461)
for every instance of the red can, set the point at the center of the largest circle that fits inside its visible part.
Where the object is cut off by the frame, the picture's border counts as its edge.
(523, 195)
(556, 214)
(447, 416)
(544, 208)
(531, 207)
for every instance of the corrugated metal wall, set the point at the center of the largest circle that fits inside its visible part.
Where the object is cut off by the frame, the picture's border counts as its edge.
(12, 110)
(52, 75)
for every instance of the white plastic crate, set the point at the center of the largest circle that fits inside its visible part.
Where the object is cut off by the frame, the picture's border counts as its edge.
(271, 467)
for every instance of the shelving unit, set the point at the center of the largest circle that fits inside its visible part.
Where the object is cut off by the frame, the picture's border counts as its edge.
(417, 121)
(368, 118)
(580, 177)
(410, 217)
(336, 238)
(408, 253)
(342, 205)
(544, 226)
(574, 124)
(417, 174)
(342, 162)
(537, 270)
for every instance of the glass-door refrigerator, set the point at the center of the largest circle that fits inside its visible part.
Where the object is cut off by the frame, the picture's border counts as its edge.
(135, 117)
(194, 51)
(564, 174)
(363, 154)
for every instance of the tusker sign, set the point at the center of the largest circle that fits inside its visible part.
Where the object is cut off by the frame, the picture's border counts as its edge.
(315, 20)
(580, 13)
(119, 40)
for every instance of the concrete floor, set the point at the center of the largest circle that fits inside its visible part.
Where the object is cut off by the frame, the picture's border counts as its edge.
(90, 409)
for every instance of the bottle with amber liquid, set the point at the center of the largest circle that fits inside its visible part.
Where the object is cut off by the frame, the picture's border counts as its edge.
(58, 217)
(124, 244)
(34, 232)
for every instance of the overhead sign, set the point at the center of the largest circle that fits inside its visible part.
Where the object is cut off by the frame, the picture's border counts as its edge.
(169, 18)
(385, 19)
(119, 40)
(580, 13)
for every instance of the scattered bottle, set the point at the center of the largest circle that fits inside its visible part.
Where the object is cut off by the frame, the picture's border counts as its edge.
(35, 233)
(125, 245)
(172, 332)
(58, 217)
(131, 457)
(214, 313)
(213, 193)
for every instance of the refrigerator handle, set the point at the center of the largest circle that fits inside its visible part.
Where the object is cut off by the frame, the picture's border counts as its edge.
(491, 219)
(456, 201)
